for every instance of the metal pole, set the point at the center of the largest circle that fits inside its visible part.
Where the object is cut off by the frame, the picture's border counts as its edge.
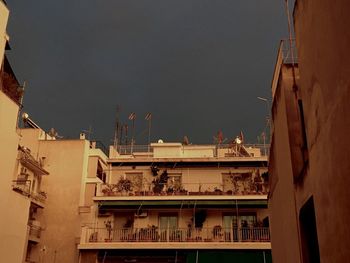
(149, 133)
(132, 136)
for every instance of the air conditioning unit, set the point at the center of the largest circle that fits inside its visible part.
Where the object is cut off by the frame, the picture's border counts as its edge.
(141, 214)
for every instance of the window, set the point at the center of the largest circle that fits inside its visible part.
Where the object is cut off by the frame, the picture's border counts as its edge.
(304, 147)
(308, 233)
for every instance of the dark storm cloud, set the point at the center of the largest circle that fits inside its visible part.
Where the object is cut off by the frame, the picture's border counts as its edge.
(198, 66)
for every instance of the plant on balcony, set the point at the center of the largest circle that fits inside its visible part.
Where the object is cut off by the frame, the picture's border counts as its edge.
(160, 182)
(234, 178)
(124, 185)
(217, 191)
(199, 218)
(108, 189)
(154, 170)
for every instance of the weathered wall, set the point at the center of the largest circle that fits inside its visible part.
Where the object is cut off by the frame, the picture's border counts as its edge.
(283, 227)
(323, 40)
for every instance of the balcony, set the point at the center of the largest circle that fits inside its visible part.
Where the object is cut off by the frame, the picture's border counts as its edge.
(9, 83)
(179, 238)
(245, 187)
(34, 233)
(24, 187)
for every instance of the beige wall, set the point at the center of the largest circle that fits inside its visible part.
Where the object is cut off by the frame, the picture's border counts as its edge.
(281, 198)
(323, 40)
(14, 206)
(325, 90)
(4, 14)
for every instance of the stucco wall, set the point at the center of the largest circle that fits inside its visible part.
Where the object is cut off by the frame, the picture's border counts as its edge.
(66, 161)
(4, 14)
(323, 40)
(14, 206)
(283, 219)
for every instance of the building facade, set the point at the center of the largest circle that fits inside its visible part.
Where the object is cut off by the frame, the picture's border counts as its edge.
(180, 203)
(309, 198)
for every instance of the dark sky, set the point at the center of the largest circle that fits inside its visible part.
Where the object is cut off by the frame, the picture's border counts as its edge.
(197, 65)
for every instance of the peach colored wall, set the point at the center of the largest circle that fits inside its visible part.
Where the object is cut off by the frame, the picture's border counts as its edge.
(283, 221)
(4, 14)
(14, 206)
(66, 161)
(325, 90)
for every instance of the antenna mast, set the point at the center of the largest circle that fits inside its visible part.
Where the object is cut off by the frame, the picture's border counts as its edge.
(116, 128)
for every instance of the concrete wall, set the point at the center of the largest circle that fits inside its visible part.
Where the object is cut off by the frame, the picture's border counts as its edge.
(67, 163)
(323, 40)
(4, 14)
(283, 219)
(14, 206)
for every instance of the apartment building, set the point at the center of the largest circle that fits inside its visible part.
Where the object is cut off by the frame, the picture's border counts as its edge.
(309, 165)
(14, 236)
(170, 202)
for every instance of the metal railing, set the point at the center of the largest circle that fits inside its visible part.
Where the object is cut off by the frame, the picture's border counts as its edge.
(128, 149)
(34, 231)
(289, 51)
(242, 187)
(24, 188)
(154, 234)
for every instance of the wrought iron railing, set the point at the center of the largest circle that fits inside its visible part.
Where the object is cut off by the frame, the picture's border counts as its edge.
(154, 234)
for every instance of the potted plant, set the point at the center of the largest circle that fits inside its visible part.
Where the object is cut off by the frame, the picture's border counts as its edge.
(108, 189)
(160, 182)
(124, 185)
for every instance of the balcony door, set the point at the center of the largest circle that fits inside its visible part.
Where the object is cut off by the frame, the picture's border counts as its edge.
(168, 228)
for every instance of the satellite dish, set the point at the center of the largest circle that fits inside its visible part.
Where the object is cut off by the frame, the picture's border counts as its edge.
(25, 115)
(160, 141)
(238, 140)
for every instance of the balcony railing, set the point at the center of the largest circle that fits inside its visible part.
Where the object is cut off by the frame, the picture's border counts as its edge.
(153, 234)
(288, 51)
(24, 188)
(34, 231)
(247, 187)
(147, 150)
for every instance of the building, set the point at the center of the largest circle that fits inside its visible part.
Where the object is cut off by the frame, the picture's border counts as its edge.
(14, 235)
(309, 165)
(75, 167)
(180, 203)
(45, 180)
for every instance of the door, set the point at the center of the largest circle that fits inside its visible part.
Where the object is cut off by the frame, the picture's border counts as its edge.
(168, 228)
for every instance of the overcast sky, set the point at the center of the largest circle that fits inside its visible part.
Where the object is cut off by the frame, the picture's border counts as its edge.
(196, 65)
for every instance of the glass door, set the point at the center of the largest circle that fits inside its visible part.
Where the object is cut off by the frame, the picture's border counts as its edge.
(168, 228)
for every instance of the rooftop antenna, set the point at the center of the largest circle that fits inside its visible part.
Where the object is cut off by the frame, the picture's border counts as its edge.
(132, 117)
(149, 119)
(116, 128)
